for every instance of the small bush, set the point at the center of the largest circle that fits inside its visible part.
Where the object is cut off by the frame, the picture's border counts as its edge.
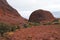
(49, 23)
(56, 21)
(13, 28)
(30, 24)
(27, 25)
(7, 28)
(35, 24)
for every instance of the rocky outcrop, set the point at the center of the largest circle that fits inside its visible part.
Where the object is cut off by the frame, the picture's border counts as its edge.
(9, 15)
(41, 16)
(50, 32)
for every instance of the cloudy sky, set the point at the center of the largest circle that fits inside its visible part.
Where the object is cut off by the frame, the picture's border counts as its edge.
(25, 7)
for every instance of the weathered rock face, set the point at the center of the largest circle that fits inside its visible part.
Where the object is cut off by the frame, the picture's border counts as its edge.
(6, 8)
(51, 32)
(8, 14)
(41, 16)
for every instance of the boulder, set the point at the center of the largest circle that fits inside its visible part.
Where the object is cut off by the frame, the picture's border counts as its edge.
(41, 16)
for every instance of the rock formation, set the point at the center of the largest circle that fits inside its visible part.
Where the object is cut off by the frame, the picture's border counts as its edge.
(51, 32)
(9, 15)
(41, 16)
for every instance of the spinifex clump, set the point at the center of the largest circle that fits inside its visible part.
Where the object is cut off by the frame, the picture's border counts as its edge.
(7, 28)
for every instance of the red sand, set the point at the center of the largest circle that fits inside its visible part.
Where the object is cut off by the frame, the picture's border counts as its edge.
(49, 32)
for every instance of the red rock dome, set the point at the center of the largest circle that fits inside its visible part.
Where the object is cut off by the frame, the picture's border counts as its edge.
(41, 16)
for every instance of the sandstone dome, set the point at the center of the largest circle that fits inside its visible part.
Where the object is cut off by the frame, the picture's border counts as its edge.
(41, 16)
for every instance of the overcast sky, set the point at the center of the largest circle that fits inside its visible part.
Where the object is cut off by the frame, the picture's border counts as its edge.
(26, 5)
(31, 5)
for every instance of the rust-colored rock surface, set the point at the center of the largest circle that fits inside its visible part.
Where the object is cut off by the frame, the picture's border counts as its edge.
(41, 16)
(47, 32)
(9, 15)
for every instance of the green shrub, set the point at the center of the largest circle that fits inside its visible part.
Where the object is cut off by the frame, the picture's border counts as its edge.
(56, 21)
(30, 24)
(49, 23)
(7, 28)
(27, 26)
(35, 24)
(13, 28)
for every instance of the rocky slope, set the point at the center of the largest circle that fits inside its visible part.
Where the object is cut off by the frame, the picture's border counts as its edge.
(9, 15)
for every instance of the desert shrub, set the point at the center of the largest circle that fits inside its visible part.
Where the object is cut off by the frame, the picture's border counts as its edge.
(13, 28)
(27, 25)
(7, 28)
(3, 28)
(56, 21)
(30, 24)
(35, 24)
(49, 23)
